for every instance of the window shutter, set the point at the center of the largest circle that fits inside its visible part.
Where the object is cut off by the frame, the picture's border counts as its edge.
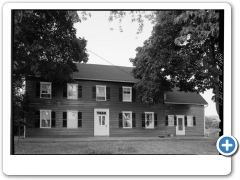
(133, 120)
(155, 120)
(79, 119)
(64, 119)
(37, 90)
(53, 90)
(94, 93)
(133, 95)
(175, 120)
(37, 119)
(143, 120)
(120, 120)
(79, 92)
(166, 121)
(108, 93)
(53, 116)
(185, 120)
(194, 121)
(120, 94)
(65, 90)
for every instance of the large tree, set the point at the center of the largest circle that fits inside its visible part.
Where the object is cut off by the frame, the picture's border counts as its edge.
(184, 51)
(44, 45)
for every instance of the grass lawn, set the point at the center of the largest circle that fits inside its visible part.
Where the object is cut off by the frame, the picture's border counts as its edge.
(168, 146)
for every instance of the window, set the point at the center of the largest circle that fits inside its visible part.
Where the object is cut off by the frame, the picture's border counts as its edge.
(127, 119)
(149, 121)
(189, 121)
(101, 93)
(45, 118)
(127, 94)
(72, 91)
(170, 120)
(101, 118)
(46, 88)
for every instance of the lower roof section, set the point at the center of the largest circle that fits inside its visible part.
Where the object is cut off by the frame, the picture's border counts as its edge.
(177, 97)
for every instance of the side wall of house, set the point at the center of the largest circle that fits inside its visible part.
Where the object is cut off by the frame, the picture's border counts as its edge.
(87, 105)
(189, 110)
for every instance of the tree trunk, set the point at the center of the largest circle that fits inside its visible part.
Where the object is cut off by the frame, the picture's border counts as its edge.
(24, 132)
(18, 132)
(221, 48)
(220, 113)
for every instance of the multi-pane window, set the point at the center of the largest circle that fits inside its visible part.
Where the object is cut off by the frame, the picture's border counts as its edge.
(72, 91)
(101, 93)
(101, 118)
(45, 118)
(45, 91)
(189, 121)
(149, 120)
(170, 120)
(127, 119)
(127, 94)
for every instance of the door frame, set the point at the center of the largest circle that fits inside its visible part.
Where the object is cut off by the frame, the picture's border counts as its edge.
(106, 120)
(180, 133)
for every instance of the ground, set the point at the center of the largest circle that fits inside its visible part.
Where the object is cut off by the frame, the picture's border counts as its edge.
(202, 146)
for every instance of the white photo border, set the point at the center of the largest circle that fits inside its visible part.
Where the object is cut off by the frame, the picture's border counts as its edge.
(112, 164)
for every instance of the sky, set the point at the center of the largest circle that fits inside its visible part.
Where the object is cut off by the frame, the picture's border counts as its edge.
(117, 47)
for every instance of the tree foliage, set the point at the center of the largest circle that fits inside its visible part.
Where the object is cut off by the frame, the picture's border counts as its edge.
(182, 52)
(211, 122)
(136, 16)
(45, 44)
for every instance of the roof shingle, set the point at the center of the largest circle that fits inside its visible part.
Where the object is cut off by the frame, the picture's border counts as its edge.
(104, 73)
(177, 97)
(123, 74)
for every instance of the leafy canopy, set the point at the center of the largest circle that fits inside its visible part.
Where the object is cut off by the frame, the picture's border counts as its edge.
(183, 52)
(45, 45)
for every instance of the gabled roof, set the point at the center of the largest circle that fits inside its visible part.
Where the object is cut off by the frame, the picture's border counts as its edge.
(177, 97)
(104, 73)
(123, 74)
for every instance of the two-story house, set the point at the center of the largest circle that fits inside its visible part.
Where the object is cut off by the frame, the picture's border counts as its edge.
(103, 102)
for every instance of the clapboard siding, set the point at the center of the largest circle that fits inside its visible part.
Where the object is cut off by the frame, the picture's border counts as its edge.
(194, 110)
(86, 105)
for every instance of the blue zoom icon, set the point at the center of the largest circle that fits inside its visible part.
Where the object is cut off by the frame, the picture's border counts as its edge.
(227, 145)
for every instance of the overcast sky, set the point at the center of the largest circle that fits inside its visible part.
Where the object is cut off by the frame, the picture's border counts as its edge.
(117, 47)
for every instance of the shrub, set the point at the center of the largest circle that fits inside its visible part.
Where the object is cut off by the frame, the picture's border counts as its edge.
(212, 126)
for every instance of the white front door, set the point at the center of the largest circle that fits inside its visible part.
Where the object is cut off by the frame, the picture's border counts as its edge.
(101, 122)
(72, 119)
(180, 128)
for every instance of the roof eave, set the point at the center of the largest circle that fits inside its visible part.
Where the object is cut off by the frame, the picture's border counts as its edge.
(92, 79)
(186, 103)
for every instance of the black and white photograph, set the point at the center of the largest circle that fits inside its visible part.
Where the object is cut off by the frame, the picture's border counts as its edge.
(120, 83)
(117, 82)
